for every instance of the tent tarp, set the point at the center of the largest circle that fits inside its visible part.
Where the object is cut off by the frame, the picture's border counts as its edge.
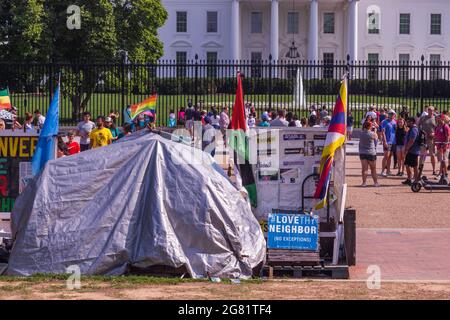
(143, 201)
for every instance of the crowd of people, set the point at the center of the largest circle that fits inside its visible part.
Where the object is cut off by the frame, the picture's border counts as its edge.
(407, 142)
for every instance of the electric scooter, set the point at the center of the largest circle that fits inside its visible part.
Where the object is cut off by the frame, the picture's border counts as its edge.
(442, 184)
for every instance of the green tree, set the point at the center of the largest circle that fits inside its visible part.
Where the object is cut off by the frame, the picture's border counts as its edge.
(36, 31)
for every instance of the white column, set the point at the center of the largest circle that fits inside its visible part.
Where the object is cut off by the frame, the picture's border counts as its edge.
(313, 35)
(353, 30)
(274, 35)
(235, 31)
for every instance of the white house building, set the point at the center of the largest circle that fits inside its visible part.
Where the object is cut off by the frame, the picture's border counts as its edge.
(318, 29)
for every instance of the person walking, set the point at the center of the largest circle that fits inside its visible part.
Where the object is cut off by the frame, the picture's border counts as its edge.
(412, 151)
(388, 127)
(442, 140)
(400, 137)
(368, 154)
(427, 123)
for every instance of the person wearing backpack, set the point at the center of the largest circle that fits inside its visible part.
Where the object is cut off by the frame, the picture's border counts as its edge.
(412, 150)
(442, 140)
(427, 123)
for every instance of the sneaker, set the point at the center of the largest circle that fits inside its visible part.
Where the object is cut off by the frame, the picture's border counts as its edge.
(407, 182)
(376, 185)
(399, 174)
(389, 173)
(363, 184)
(383, 174)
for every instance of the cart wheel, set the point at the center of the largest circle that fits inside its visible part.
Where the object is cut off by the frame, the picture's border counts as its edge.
(416, 186)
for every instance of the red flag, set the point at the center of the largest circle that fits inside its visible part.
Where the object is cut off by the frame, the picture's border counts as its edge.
(238, 115)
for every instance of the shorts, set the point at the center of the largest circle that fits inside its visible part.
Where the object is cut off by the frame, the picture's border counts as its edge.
(350, 129)
(189, 124)
(389, 148)
(84, 147)
(368, 157)
(431, 147)
(400, 148)
(411, 160)
(442, 154)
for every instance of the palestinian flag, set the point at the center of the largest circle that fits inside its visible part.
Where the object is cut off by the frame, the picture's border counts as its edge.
(239, 143)
(5, 102)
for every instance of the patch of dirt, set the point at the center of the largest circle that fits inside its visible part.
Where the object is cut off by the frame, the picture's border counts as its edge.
(394, 205)
(291, 289)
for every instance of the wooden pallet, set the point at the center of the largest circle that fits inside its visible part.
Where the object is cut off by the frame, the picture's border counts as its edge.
(298, 272)
(292, 257)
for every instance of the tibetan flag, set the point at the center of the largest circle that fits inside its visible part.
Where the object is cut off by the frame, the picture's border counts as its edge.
(334, 140)
(45, 149)
(5, 102)
(148, 105)
(238, 142)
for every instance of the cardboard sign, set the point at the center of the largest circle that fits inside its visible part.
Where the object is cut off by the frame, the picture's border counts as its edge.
(16, 150)
(293, 231)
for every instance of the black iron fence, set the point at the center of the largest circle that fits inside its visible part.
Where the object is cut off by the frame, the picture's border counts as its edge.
(101, 88)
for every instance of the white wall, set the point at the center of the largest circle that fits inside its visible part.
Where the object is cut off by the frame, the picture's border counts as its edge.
(388, 44)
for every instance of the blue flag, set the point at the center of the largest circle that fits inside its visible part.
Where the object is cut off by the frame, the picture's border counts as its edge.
(45, 149)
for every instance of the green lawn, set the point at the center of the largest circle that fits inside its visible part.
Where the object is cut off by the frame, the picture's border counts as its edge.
(102, 103)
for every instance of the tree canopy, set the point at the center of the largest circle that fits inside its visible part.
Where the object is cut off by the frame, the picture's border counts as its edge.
(36, 30)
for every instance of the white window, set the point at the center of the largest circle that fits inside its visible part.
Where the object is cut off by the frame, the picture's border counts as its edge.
(256, 58)
(405, 23)
(372, 59)
(181, 21)
(435, 66)
(256, 22)
(211, 60)
(328, 22)
(293, 23)
(211, 21)
(435, 27)
(328, 62)
(181, 57)
(373, 23)
(403, 59)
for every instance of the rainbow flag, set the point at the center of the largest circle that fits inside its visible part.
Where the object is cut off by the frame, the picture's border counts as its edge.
(148, 105)
(335, 139)
(5, 102)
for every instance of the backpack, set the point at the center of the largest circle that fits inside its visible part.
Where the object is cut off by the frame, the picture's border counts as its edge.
(421, 138)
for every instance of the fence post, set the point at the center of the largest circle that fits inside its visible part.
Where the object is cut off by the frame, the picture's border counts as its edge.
(422, 72)
(196, 80)
(270, 82)
(123, 81)
(347, 69)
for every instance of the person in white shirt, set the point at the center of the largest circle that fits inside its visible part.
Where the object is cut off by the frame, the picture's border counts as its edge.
(84, 129)
(40, 118)
(280, 121)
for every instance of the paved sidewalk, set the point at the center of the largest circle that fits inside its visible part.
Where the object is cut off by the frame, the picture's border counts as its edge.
(403, 254)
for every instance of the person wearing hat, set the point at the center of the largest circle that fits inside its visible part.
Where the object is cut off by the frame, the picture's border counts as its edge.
(115, 132)
(427, 123)
(73, 147)
(208, 134)
(264, 120)
(388, 128)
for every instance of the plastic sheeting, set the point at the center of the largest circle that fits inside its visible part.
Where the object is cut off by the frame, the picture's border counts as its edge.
(143, 201)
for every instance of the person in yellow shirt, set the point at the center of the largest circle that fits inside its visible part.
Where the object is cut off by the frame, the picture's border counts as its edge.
(100, 136)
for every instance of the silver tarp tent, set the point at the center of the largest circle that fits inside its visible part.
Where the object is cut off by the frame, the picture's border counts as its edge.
(144, 201)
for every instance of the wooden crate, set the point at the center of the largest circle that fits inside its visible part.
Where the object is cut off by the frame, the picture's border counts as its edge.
(281, 257)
